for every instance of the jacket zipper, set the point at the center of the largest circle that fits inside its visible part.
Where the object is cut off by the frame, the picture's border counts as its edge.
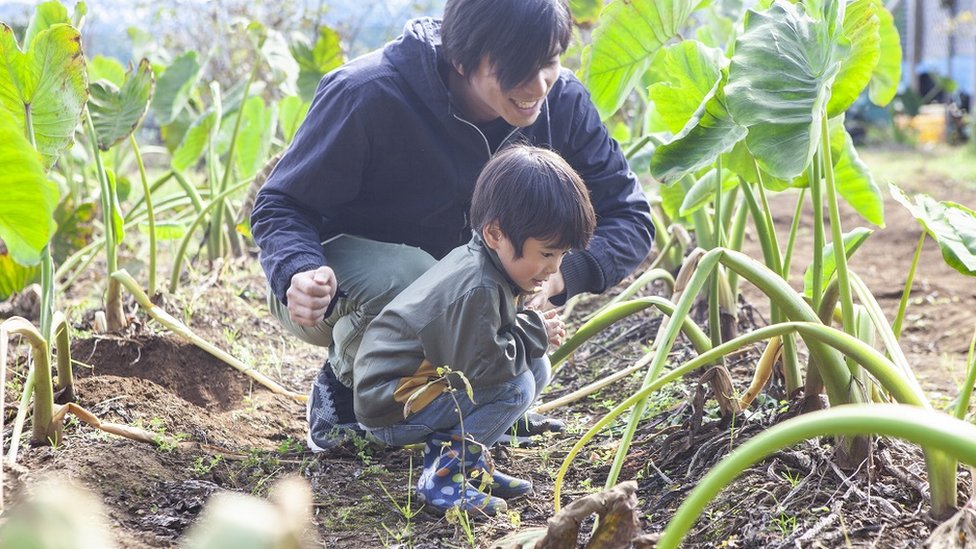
(485, 139)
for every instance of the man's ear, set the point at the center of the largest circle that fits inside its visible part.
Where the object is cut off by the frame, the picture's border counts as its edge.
(493, 235)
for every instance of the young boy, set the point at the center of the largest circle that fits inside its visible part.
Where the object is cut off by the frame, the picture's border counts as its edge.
(466, 313)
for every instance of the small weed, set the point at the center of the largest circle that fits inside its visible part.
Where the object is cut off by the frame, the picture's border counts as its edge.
(785, 524)
(793, 478)
(460, 518)
(288, 446)
(202, 466)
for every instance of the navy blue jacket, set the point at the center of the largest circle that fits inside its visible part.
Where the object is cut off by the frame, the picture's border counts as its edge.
(384, 155)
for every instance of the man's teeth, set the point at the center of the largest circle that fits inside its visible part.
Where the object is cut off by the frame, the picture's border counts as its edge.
(525, 104)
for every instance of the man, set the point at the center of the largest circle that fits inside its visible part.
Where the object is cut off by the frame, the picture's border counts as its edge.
(376, 185)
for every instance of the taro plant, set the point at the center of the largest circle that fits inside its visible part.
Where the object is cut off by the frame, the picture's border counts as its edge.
(772, 116)
(114, 112)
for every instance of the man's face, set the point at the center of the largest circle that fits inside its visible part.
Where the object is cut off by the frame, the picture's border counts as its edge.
(483, 98)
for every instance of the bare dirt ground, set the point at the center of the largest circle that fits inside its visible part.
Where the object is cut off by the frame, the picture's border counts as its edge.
(233, 435)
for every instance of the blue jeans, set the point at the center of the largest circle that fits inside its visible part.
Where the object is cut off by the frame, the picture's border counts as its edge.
(493, 411)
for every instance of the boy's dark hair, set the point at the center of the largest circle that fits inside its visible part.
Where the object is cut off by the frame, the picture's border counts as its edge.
(518, 36)
(533, 193)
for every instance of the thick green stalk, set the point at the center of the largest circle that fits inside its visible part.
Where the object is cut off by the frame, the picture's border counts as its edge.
(174, 280)
(650, 275)
(66, 381)
(86, 255)
(929, 429)
(706, 264)
(153, 187)
(794, 229)
(737, 234)
(229, 167)
(836, 235)
(44, 430)
(813, 332)
(147, 195)
(190, 190)
(714, 314)
(616, 312)
(763, 220)
(966, 391)
(113, 296)
(907, 292)
(215, 238)
(816, 199)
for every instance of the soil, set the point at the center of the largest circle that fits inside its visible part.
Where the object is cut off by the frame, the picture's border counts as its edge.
(224, 433)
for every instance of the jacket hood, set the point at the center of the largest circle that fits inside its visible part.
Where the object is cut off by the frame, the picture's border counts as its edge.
(419, 47)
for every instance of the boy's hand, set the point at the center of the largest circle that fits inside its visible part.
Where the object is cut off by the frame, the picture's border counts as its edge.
(310, 294)
(554, 327)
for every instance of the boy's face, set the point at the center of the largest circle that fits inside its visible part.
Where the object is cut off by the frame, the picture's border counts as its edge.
(483, 98)
(540, 259)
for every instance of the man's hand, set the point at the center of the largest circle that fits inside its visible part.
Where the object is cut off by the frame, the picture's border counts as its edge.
(310, 294)
(555, 285)
(554, 327)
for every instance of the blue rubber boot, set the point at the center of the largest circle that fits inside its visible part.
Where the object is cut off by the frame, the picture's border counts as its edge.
(443, 483)
(490, 480)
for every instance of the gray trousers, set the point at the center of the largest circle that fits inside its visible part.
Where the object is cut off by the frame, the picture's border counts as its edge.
(371, 274)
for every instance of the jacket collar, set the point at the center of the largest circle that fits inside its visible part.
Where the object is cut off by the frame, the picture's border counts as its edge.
(478, 245)
(419, 47)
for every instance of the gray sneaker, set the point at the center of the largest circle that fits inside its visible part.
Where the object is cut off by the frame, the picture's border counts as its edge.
(329, 411)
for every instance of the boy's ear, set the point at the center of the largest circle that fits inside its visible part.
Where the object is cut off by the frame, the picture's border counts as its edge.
(493, 235)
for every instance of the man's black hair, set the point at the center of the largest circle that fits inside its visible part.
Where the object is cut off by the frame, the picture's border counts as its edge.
(533, 193)
(519, 37)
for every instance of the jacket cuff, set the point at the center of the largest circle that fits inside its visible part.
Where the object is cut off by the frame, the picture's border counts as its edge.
(280, 284)
(581, 273)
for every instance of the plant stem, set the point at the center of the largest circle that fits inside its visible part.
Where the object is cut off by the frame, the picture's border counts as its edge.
(113, 297)
(907, 292)
(966, 391)
(836, 235)
(174, 280)
(147, 195)
(927, 428)
(794, 229)
(816, 199)
(180, 329)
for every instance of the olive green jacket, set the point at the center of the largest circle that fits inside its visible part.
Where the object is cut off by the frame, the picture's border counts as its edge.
(464, 313)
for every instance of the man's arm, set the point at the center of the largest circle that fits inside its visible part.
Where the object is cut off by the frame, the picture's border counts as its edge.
(322, 169)
(624, 231)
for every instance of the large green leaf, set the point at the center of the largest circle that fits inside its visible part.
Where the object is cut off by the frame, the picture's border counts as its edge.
(741, 162)
(585, 12)
(861, 31)
(29, 198)
(853, 178)
(254, 138)
(685, 75)
(15, 277)
(75, 227)
(887, 73)
(709, 133)
(45, 16)
(48, 83)
(174, 87)
(284, 68)
(628, 34)
(852, 241)
(194, 142)
(952, 225)
(106, 68)
(293, 111)
(117, 112)
(314, 61)
(779, 85)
